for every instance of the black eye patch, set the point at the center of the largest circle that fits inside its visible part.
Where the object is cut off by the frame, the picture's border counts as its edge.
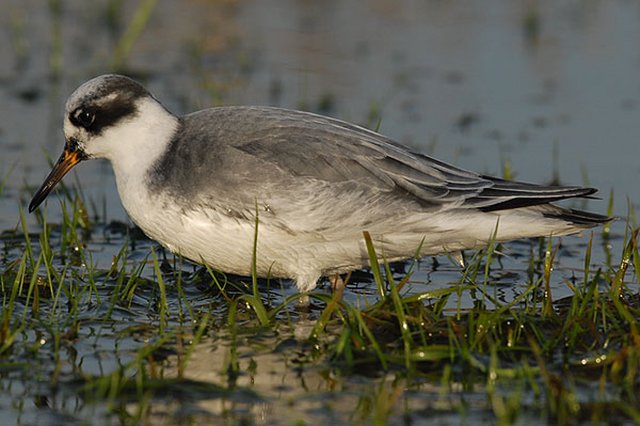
(94, 119)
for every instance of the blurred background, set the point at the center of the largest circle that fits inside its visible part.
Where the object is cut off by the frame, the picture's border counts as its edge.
(542, 91)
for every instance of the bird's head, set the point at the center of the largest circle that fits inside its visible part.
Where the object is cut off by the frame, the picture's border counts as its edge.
(104, 118)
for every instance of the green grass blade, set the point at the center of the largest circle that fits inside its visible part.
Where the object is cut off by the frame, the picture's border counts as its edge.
(375, 266)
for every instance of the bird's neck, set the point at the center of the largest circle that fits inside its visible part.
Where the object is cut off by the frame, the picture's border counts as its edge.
(141, 144)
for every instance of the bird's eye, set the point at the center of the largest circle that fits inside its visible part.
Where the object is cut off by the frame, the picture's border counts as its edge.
(84, 118)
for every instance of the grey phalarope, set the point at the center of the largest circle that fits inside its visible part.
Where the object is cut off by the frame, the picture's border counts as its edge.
(195, 182)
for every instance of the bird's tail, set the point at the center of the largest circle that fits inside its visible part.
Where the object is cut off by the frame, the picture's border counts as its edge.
(580, 218)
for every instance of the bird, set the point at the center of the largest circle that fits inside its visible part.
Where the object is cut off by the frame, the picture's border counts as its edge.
(200, 184)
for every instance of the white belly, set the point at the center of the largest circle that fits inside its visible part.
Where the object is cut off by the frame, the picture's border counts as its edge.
(224, 240)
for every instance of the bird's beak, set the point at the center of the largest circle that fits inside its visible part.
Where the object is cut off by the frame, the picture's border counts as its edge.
(69, 158)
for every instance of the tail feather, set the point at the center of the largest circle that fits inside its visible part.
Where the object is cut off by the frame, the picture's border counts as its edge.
(578, 217)
(509, 195)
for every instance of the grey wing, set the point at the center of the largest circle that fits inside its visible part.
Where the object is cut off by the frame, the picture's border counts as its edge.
(322, 148)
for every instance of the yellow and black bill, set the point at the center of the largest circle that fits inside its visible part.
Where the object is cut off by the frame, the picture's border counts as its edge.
(71, 156)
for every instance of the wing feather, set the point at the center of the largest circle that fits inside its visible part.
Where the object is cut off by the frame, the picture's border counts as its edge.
(323, 148)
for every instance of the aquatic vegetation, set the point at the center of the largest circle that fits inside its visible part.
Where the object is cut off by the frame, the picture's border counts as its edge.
(150, 333)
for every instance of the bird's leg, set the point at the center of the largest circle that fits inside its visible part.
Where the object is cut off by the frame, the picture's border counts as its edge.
(338, 283)
(337, 286)
(303, 303)
(458, 256)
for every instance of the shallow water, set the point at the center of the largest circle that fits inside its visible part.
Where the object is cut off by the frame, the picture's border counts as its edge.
(551, 88)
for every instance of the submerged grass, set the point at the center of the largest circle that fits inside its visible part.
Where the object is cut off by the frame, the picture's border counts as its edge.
(544, 348)
(132, 337)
